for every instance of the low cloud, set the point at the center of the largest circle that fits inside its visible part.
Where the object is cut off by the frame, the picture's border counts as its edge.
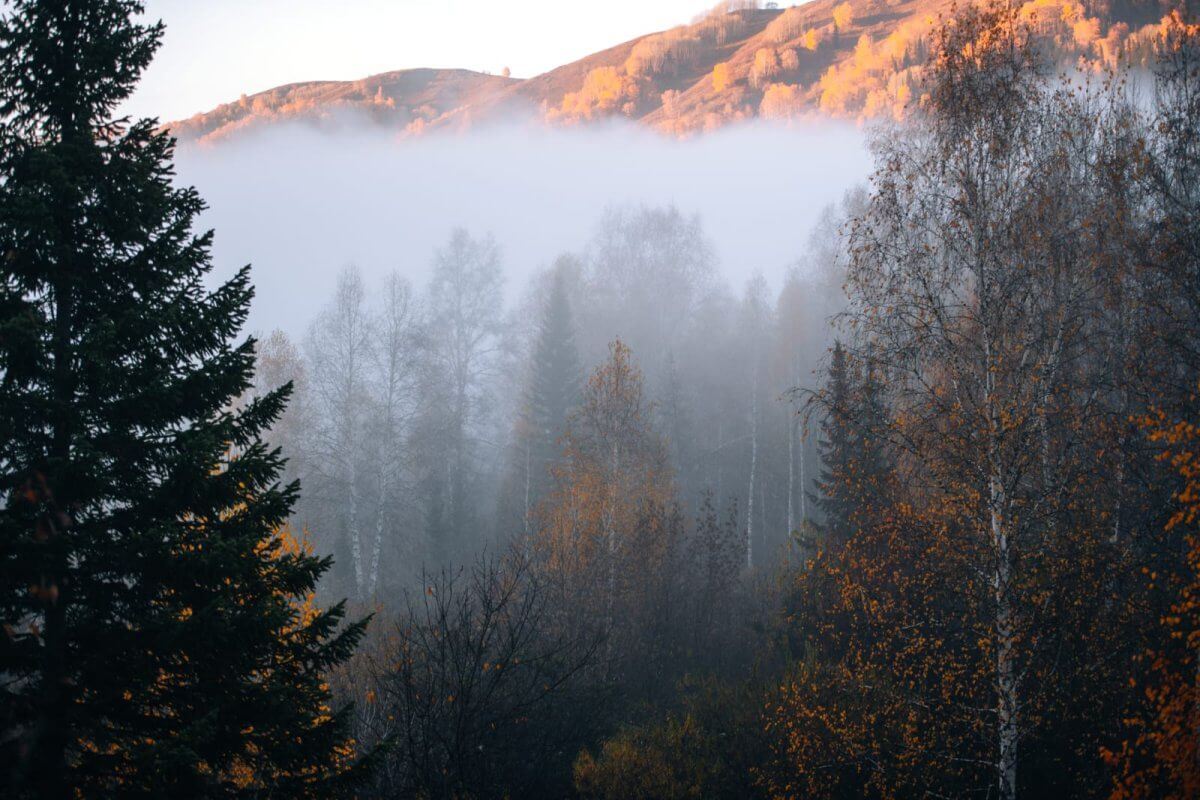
(300, 203)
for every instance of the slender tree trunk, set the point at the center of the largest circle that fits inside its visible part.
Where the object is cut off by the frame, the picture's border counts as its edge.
(527, 486)
(762, 513)
(719, 455)
(610, 533)
(458, 478)
(803, 487)
(52, 736)
(753, 467)
(1050, 378)
(377, 545)
(1123, 423)
(353, 533)
(1007, 691)
(791, 478)
(51, 733)
(1006, 673)
(610, 539)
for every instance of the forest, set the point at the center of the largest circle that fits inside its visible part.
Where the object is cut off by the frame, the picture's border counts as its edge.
(920, 522)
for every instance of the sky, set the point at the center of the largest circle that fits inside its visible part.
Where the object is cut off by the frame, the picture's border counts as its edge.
(215, 50)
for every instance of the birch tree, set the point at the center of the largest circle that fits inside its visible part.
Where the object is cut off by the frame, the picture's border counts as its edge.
(339, 351)
(756, 325)
(946, 304)
(462, 332)
(613, 478)
(392, 360)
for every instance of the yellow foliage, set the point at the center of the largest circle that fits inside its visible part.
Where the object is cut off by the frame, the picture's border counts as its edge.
(766, 66)
(786, 26)
(720, 77)
(780, 101)
(1086, 31)
(668, 51)
(843, 15)
(876, 78)
(1162, 750)
(603, 92)
(615, 469)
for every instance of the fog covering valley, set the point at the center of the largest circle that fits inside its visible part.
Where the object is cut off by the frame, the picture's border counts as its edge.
(299, 202)
(793, 403)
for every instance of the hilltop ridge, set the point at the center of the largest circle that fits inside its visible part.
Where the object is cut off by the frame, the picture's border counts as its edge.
(835, 58)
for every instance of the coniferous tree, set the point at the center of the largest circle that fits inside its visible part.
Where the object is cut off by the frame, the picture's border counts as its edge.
(836, 449)
(156, 640)
(675, 421)
(854, 466)
(553, 390)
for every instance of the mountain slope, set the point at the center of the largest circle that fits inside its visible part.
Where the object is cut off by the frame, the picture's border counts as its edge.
(401, 99)
(855, 58)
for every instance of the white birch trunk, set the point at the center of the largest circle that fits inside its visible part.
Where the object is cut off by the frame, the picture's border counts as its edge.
(377, 545)
(803, 491)
(1006, 673)
(352, 530)
(527, 487)
(1007, 691)
(791, 479)
(753, 467)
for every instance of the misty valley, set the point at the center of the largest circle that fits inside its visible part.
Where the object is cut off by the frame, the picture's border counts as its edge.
(794, 403)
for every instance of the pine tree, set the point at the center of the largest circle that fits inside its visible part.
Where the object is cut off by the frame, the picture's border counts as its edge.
(553, 389)
(675, 421)
(836, 448)
(855, 469)
(156, 636)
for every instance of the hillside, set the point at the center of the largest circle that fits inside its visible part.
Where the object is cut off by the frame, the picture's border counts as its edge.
(404, 99)
(839, 58)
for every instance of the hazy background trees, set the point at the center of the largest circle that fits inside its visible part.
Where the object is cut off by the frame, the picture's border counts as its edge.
(429, 424)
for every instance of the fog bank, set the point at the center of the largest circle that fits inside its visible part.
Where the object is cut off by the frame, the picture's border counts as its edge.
(299, 203)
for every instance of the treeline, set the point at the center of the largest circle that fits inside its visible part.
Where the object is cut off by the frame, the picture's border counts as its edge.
(427, 425)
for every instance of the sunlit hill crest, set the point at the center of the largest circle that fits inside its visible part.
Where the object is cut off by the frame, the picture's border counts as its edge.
(849, 59)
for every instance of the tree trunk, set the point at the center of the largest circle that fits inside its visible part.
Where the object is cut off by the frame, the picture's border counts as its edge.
(1006, 675)
(803, 489)
(1003, 624)
(527, 486)
(353, 533)
(753, 467)
(791, 479)
(52, 737)
(377, 545)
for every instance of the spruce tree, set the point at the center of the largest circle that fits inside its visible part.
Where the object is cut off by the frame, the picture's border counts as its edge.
(553, 384)
(155, 637)
(836, 447)
(855, 464)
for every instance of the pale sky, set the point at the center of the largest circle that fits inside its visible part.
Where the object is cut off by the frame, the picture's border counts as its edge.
(215, 50)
